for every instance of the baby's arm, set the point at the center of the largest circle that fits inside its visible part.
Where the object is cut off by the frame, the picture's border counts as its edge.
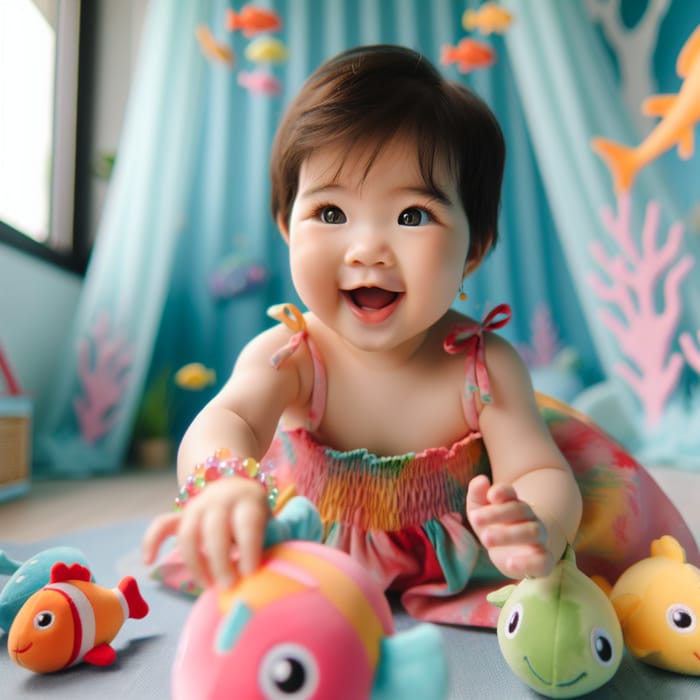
(220, 531)
(533, 508)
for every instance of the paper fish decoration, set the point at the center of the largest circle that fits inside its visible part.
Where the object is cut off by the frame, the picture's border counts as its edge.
(26, 578)
(195, 377)
(559, 633)
(71, 620)
(237, 274)
(260, 82)
(469, 55)
(309, 623)
(657, 601)
(265, 49)
(214, 50)
(253, 20)
(679, 114)
(490, 18)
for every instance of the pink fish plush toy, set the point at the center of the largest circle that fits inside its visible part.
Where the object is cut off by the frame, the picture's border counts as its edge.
(71, 619)
(309, 623)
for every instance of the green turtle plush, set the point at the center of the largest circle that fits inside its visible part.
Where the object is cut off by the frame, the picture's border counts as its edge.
(559, 633)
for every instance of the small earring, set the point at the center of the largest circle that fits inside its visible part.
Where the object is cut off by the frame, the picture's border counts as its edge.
(462, 293)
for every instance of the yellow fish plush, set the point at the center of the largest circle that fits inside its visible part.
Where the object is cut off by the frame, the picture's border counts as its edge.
(71, 619)
(657, 601)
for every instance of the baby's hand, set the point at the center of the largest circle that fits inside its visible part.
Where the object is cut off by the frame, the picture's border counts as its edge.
(219, 533)
(509, 530)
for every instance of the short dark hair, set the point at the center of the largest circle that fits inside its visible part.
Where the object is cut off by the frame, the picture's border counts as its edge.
(370, 94)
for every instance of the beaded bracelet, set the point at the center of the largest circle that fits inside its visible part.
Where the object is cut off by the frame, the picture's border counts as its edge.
(221, 464)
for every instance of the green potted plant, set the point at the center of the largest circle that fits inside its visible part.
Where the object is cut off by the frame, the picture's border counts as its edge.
(152, 437)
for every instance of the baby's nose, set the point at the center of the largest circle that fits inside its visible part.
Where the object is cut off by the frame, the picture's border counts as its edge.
(369, 248)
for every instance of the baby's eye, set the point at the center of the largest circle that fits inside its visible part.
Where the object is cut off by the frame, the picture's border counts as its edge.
(332, 215)
(413, 216)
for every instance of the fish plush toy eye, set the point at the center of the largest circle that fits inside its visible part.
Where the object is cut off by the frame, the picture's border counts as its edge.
(559, 633)
(309, 624)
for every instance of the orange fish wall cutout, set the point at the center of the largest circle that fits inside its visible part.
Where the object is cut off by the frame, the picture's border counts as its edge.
(253, 20)
(469, 55)
(214, 50)
(679, 114)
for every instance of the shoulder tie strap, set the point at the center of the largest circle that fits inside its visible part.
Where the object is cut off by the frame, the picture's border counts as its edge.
(290, 316)
(469, 338)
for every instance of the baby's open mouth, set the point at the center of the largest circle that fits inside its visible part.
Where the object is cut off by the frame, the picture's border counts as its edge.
(371, 298)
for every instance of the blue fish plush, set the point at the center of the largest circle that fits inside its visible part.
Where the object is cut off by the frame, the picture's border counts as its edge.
(28, 577)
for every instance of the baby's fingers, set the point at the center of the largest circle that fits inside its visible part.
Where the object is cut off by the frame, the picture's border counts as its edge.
(531, 532)
(477, 492)
(510, 512)
(189, 539)
(217, 546)
(249, 521)
(530, 562)
(157, 532)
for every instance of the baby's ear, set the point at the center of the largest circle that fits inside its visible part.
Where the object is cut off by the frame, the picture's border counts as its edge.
(471, 265)
(283, 226)
(477, 254)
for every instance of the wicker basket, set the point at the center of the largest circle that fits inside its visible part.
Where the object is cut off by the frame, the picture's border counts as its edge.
(15, 445)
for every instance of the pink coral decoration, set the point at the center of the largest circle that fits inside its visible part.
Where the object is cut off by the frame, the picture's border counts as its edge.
(103, 367)
(544, 339)
(643, 333)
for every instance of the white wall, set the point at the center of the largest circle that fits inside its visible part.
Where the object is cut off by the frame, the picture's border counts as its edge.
(37, 301)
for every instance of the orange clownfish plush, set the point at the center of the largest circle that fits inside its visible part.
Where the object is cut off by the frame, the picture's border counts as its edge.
(71, 620)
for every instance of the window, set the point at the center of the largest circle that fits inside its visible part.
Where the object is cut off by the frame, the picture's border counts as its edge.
(45, 61)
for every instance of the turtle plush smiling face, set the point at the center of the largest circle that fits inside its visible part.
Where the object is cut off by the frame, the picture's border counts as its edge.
(559, 634)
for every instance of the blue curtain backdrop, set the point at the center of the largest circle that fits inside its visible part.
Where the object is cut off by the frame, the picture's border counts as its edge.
(190, 190)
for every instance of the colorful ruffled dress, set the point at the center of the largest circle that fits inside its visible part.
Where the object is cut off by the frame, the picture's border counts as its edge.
(404, 517)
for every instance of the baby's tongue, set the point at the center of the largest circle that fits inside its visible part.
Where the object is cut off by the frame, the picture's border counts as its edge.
(372, 297)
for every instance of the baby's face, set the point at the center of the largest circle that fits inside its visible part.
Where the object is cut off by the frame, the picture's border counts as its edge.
(376, 255)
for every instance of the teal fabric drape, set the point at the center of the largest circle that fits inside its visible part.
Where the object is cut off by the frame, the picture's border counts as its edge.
(106, 357)
(190, 190)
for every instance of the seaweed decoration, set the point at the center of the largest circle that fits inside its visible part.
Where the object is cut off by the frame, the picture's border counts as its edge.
(644, 333)
(690, 350)
(104, 360)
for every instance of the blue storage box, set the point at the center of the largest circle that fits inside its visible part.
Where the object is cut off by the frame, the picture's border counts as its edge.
(15, 445)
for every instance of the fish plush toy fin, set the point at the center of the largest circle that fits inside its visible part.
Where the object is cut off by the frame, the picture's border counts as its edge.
(137, 606)
(668, 547)
(75, 572)
(298, 520)
(8, 566)
(101, 655)
(412, 665)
